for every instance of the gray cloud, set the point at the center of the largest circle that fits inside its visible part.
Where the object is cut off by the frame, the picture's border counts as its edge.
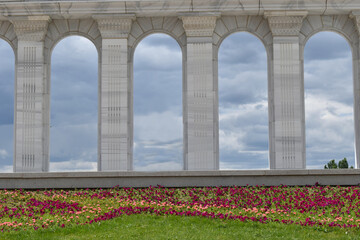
(7, 73)
(328, 100)
(158, 104)
(7, 70)
(157, 75)
(74, 100)
(326, 45)
(243, 110)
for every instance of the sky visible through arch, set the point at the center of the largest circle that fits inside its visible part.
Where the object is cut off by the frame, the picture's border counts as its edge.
(242, 101)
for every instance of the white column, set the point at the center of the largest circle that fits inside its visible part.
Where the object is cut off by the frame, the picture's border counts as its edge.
(288, 123)
(115, 147)
(356, 66)
(200, 103)
(31, 139)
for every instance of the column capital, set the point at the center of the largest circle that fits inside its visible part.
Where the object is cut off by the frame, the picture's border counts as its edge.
(285, 23)
(114, 25)
(199, 25)
(30, 28)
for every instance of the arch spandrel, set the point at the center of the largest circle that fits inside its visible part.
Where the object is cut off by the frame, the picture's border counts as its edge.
(8, 34)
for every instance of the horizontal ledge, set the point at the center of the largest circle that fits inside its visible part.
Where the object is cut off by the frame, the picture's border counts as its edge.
(178, 178)
(220, 173)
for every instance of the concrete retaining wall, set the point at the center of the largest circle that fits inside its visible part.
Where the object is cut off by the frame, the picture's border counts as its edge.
(179, 178)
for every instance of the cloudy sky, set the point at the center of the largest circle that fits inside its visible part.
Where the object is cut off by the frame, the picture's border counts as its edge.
(158, 103)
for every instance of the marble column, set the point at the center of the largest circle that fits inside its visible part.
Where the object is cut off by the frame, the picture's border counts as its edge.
(200, 103)
(356, 67)
(115, 147)
(31, 125)
(288, 123)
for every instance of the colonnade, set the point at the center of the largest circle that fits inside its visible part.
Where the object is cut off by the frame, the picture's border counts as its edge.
(199, 34)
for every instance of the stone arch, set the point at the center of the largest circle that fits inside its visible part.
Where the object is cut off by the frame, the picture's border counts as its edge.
(59, 29)
(255, 25)
(144, 26)
(341, 24)
(59, 118)
(8, 34)
(7, 85)
(259, 27)
(346, 27)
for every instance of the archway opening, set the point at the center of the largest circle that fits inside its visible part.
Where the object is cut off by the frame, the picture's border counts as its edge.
(243, 103)
(7, 89)
(158, 121)
(328, 100)
(74, 105)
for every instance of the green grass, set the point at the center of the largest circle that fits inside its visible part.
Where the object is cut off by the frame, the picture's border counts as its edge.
(176, 227)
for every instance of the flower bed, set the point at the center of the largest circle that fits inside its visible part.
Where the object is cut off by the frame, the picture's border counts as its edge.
(306, 206)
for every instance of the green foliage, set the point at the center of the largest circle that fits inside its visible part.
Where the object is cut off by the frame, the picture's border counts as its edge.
(343, 164)
(331, 165)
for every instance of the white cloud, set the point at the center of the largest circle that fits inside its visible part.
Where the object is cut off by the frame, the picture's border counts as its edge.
(73, 166)
(328, 100)
(3, 153)
(149, 55)
(161, 166)
(158, 122)
(164, 126)
(6, 169)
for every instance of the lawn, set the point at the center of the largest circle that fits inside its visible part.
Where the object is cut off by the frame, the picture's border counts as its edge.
(176, 227)
(182, 213)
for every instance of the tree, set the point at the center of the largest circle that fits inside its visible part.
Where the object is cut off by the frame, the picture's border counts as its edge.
(343, 163)
(331, 165)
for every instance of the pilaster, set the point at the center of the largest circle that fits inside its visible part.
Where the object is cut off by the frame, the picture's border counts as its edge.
(356, 66)
(200, 103)
(31, 109)
(115, 144)
(287, 135)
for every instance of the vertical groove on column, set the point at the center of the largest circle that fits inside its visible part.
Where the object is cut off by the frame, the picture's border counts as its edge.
(114, 118)
(201, 136)
(287, 106)
(29, 98)
(114, 122)
(288, 129)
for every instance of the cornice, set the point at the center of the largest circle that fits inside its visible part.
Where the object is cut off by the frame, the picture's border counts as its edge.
(59, 9)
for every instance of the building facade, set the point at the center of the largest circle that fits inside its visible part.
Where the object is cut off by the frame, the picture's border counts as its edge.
(33, 28)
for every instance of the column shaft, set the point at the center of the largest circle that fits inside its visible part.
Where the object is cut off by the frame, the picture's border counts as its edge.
(30, 113)
(356, 72)
(288, 140)
(201, 128)
(114, 140)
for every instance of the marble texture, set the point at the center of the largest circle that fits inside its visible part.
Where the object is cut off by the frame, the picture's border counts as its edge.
(30, 94)
(114, 147)
(288, 135)
(201, 119)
